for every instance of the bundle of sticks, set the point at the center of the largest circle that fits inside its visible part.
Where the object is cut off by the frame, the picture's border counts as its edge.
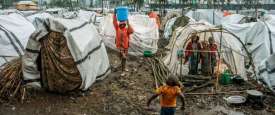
(11, 82)
(160, 71)
(196, 82)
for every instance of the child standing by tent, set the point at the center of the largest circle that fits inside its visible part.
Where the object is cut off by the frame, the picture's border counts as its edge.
(213, 54)
(123, 32)
(168, 93)
(205, 59)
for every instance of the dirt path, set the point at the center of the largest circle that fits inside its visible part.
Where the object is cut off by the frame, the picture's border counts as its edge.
(118, 95)
(115, 95)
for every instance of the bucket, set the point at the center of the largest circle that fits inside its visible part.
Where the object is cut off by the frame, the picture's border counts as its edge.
(147, 53)
(122, 13)
(225, 78)
(180, 53)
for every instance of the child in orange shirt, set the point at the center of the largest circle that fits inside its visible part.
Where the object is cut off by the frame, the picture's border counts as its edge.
(168, 99)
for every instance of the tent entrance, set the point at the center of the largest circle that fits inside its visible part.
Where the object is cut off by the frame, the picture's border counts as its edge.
(59, 72)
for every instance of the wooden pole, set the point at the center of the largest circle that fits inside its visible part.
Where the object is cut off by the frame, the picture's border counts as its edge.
(218, 74)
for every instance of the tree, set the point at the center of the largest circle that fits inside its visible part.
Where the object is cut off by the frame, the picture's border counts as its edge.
(61, 3)
(136, 3)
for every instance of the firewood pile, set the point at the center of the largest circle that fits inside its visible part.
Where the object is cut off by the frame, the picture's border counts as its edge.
(11, 81)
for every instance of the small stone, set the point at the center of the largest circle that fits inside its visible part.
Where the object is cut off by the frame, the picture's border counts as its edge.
(117, 107)
(134, 113)
(13, 108)
(73, 99)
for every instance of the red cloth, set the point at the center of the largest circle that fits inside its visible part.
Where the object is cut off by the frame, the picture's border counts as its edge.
(226, 13)
(125, 34)
(155, 15)
(189, 53)
(189, 47)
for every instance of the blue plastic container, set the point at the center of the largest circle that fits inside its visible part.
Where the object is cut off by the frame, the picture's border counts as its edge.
(122, 13)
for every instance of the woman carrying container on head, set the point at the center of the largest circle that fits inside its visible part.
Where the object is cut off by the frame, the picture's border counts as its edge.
(123, 32)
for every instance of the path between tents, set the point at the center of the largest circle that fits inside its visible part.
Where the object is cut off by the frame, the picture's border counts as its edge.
(117, 95)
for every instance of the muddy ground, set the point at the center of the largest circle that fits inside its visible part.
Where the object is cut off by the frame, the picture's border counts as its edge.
(126, 95)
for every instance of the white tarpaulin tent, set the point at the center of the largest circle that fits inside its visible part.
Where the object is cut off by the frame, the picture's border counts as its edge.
(88, 16)
(168, 28)
(210, 15)
(145, 36)
(167, 17)
(84, 15)
(15, 31)
(232, 51)
(43, 15)
(214, 16)
(85, 45)
(259, 38)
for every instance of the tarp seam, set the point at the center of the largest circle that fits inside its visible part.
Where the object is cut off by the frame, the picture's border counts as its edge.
(109, 68)
(89, 53)
(76, 28)
(9, 37)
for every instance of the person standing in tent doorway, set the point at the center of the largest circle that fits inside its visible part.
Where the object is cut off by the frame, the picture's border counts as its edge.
(213, 54)
(192, 54)
(123, 32)
(205, 59)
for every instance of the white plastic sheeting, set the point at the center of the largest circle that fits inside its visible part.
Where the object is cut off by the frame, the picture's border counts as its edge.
(233, 53)
(168, 28)
(88, 16)
(145, 36)
(210, 15)
(259, 38)
(15, 31)
(214, 16)
(85, 45)
(38, 16)
(167, 17)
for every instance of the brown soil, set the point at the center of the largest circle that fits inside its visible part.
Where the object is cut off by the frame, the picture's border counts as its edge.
(126, 95)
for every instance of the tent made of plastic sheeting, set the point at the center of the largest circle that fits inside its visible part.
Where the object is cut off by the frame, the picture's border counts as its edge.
(259, 38)
(210, 15)
(15, 31)
(214, 16)
(145, 36)
(8, 11)
(168, 28)
(230, 48)
(174, 23)
(42, 15)
(88, 16)
(84, 15)
(84, 44)
(167, 17)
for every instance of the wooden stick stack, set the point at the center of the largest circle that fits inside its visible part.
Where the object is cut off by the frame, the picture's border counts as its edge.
(11, 82)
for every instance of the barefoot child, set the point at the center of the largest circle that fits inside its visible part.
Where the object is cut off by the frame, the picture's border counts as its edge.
(168, 95)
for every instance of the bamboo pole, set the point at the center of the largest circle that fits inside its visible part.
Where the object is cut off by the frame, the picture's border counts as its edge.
(218, 74)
